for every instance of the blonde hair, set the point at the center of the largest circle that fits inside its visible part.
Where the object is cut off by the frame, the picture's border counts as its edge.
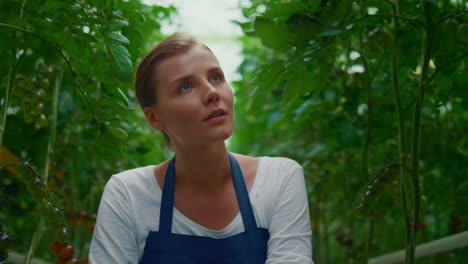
(145, 83)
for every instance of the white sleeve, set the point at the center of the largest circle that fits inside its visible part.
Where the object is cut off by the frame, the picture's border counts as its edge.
(114, 239)
(290, 231)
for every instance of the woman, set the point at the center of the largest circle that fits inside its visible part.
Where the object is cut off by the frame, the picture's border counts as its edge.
(205, 205)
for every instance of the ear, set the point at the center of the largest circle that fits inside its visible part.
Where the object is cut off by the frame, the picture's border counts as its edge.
(153, 118)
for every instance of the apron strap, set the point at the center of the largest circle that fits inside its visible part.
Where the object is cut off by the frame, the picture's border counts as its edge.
(167, 199)
(242, 195)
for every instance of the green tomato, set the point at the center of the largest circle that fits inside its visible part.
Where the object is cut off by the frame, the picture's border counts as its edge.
(30, 84)
(45, 83)
(48, 72)
(36, 188)
(40, 94)
(54, 217)
(26, 105)
(28, 117)
(24, 171)
(42, 120)
(38, 108)
(19, 88)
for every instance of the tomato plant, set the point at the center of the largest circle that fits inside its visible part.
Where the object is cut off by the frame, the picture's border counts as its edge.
(347, 88)
(67, 123)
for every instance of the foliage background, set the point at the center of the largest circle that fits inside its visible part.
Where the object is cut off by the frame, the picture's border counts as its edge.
(319, 82)
(91, 48)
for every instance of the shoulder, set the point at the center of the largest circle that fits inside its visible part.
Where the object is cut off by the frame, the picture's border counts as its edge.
(280, 173)
(133, 174)
(131, 180)
(282, 162)
(281, 165)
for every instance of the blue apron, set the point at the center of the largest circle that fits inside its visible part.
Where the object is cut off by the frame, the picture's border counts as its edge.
(164, 247)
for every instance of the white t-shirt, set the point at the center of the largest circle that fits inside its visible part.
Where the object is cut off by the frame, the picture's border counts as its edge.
(129, 210)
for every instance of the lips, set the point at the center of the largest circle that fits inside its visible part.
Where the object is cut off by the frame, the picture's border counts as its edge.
(215, 113)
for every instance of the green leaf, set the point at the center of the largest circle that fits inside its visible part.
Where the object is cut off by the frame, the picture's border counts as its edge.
(123, 96)
(273, 34)
(303, 28)
(106, 77)
(121, 58)
(118, 24)
(118, 133)
(286, 9)
(118, 37)
(247, 27)
(294, 84)
(267, 79)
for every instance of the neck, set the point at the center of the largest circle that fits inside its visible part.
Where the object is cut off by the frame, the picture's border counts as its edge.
(202, 167)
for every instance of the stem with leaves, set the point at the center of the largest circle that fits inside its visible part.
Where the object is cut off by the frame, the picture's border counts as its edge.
(45, 174)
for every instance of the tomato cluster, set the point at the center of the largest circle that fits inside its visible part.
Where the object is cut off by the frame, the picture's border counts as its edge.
(65, 253)
(82, 218)
(32, 93)
(52, 205)
(48, 203)
(385, 178)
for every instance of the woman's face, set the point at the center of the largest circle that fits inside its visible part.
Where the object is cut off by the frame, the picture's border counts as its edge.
(194, 101)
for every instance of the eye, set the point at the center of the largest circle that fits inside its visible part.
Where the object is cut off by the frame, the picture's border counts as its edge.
(185, 88)
(215, 77)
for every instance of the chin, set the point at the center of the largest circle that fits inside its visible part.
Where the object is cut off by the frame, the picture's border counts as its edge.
(223, 135)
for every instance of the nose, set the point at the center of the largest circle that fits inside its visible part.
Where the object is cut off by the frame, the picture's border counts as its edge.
(211, 94)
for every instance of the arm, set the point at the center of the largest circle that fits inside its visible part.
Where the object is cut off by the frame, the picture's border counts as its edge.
(290, 231)
(114, 239)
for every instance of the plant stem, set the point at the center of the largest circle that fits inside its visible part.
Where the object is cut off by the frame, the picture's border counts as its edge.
(325, 237)
(401, 126)
(53, 125)
(35, 240)
(22, 8)
(425, 56)
(370, 235)
(363, 5)
(6, 100)
(368, 91)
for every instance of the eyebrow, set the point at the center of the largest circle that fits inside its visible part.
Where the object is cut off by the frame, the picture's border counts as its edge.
(188, 77)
